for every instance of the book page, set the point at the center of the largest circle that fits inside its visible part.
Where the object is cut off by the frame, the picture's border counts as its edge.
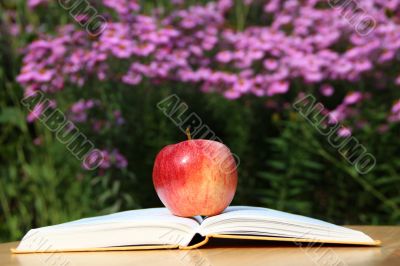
(257, 221)
(158, 215)
(156, 226)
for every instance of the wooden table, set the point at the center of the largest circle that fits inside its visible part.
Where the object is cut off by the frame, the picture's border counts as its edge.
(238, 254)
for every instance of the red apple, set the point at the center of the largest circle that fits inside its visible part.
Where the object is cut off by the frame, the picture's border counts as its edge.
(195, 177)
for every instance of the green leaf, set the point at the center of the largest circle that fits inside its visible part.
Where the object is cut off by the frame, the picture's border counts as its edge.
(13, 116)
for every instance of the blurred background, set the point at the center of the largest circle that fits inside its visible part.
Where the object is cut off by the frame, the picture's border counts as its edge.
(239, 65)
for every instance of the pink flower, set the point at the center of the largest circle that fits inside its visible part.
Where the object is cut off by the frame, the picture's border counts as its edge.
(119, 120)
(35, 114)
(395, 112)
(38, 110)
(108, 160)
(337, 115)
(106, 163)
(31, 74)
(119, 160)
(353, 98)
(397, 81)
(132, 78)
(123, 49)
(344, 132)
(188, 22)
(278, 87)
(79, 110)
(144, 49)
(123, 7)
(35, 3)
(270, 64)
(396, 107)
(25, 76)
(96, 158)
(327, 90)
(272, 6)
(242, 85)
(224, 57)
(231, 94)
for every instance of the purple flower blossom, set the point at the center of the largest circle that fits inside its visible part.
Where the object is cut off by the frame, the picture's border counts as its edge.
(395, 112)
(231, 94)
(242, 86)
(119, 120)
(344, 132)
(78, 111)
(224, 57)
(278, 87)
(338, 114)
(123, 7)
(132, 78)
(119, 160)
(39, 109)
(106, 163)
(327, 90)
(124, 49)
(353, 98)
(396, 107)
(35, 3)
(109, 159)
(397, 81)
(270, 64)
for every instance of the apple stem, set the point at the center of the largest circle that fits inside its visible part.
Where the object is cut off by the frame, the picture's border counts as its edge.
(188, 133)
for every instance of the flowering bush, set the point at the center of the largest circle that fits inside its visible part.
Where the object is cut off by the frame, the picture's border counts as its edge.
(291, 41)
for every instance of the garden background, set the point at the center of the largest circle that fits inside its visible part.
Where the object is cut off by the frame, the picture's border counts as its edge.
(239, 65)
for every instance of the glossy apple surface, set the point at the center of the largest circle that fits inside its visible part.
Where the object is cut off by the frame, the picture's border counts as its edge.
(195, 177)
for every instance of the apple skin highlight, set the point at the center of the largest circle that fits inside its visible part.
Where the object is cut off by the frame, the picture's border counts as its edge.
(195, 177)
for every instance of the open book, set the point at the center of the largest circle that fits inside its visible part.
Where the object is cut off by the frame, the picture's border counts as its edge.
(157, 228)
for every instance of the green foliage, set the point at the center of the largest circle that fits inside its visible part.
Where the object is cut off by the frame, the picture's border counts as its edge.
(293, 170)
(304, 174)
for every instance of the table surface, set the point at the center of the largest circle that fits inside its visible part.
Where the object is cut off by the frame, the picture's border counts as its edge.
(238, 254)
